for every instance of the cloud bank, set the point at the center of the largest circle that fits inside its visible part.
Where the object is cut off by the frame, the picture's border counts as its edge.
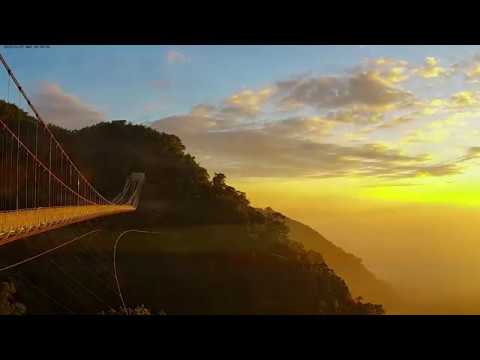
(292, 127)
(63, 109)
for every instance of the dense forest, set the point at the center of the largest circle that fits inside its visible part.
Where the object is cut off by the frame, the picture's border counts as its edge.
(211, 251)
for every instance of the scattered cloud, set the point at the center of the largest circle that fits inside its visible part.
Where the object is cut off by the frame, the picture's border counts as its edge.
(391, 71)
(389, 184)
(287, 148)
(473, 72)
(437, 170)
(331, 92)
(431, 69)
(313, 127)
(203, 110)
(63, 109)
(471, 153)
(469, 68)
(324, 125)
(241, 107)
(176, 57)
(399, 120)
(247, 102)
(436, 131)
(465, 99)
(422, 136)
(462, 101)
(357, 115)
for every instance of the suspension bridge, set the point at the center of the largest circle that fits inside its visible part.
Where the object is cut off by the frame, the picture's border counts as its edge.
(41, 188)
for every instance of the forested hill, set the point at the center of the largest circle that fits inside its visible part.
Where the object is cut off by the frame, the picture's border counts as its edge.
(361, 281)
(212, 253)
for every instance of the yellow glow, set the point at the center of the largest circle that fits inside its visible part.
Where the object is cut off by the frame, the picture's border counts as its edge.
(430, 69)
(474, 71)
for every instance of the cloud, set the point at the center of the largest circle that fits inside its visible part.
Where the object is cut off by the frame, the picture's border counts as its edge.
(422, 136)
(393, 171)
(431, 69)
(461, 101)
(66, 110)
(199, 121)
(381, 185)
(313, 127)
(436, 131)
(449, 168)
(389, 70)
(435, 170)
(203, 110)
(454, 108)
(187, 125)
(460, 104)
(176, 57)
(232, 137)
(288, 148)
(362, 96)
(393, 71)
(473, 72)
(400, 120)
(238, 108)
(247, 102)
(357, 115)
(356, 95)
(469, 68)
(291, 127)
(465, 99)
(471, 153)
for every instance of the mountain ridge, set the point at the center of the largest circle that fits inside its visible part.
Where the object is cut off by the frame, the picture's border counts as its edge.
(360, 280)
(213, 243)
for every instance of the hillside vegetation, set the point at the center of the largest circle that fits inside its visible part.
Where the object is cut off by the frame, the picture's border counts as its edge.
(361, 281)
(212, 252)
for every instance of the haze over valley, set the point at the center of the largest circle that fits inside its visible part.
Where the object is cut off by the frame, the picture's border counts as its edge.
(349, 173)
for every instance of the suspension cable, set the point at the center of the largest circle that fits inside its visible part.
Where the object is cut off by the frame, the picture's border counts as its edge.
(115, 245)
(39, 118)
(31, 258)
(44, 293)
(89, 291)
(39, 161)
(18, 151)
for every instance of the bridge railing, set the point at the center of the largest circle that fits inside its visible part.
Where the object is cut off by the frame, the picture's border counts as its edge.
(35, 170)
(24, 222)
(41, 188)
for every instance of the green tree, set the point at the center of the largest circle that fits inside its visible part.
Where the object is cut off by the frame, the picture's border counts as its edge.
(219, 181)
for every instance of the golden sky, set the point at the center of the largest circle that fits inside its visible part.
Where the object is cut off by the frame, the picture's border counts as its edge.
(376, 147)
(382, 158)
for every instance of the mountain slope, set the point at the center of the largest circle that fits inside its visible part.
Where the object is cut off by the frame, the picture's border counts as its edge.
(359, 279)
(212, 252)
(215, 269)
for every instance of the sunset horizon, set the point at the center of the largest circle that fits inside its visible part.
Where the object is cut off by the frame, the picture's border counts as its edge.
(374, 147)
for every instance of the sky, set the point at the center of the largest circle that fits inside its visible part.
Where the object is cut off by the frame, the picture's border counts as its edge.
(376, 147)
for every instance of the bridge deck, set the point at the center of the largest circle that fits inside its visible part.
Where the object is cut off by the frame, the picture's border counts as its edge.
(23, 223)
